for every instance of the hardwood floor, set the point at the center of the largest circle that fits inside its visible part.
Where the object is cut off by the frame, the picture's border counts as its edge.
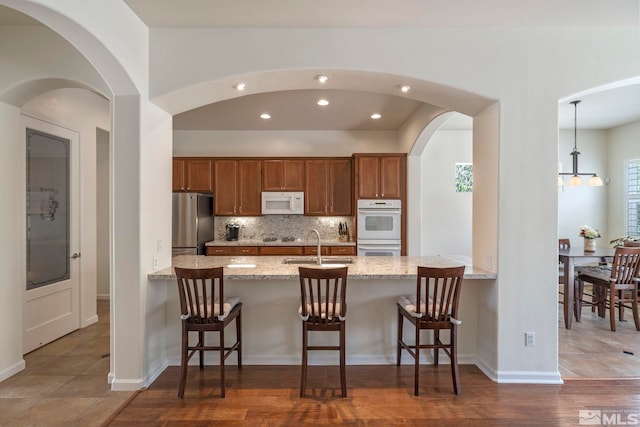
(378, 396)
(65, 384)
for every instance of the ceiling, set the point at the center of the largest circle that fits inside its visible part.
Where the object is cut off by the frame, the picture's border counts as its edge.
(351, 109)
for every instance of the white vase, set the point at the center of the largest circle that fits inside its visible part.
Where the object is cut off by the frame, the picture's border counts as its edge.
(589, 245)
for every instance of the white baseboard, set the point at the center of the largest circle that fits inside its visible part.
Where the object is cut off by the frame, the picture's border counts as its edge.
(126, 385)
(520, 377)
(12, 370)
(149, 379)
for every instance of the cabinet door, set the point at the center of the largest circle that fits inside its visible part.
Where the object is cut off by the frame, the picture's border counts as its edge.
(219, 250)
(245, 250)
(293, 175)
(315, 192)
(390, 172)
(225, 180)
(281, 250)
(342, 250)
(340, 187)
(283, 175)
(199, 176)
(272, 175)
(178, 175)
(368, 177)
(313, 250)
(249, 187)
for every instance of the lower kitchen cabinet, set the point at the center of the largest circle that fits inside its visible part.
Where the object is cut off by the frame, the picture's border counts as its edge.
(342, 250)
(232, 250)
(281, 250)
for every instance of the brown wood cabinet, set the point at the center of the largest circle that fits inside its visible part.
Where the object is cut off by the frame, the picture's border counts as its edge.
(342, 250)
(283, 175)
(328, 187)
(192, 175)
(238, 185)
(232, 250)
(380, 176)
(281, 250)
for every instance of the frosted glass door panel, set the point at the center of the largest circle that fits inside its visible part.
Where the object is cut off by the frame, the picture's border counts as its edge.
(48, 208)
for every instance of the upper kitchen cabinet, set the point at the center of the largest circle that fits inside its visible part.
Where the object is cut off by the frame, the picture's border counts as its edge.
(192, 175)
(328, 187)
(238, 184)
(380, 176)
(283, 175)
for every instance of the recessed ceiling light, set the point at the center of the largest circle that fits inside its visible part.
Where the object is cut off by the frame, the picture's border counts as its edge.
(323, 102)
(265, 116)
(240, 86)
(376, 116)
(322, 78)
(405, 88)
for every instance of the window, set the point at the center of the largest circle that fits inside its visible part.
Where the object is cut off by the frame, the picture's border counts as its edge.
(633, 198)
(464, 178)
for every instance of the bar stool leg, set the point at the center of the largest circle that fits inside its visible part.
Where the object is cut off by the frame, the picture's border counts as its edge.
(343, 351)
(303, 374)
(416, 361)
(400, 322)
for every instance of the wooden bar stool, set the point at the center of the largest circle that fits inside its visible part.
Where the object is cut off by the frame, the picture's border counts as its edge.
(201, 291)
(323, 308)
(433, 307)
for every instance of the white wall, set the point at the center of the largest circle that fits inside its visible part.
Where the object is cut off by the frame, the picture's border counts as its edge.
(582, 205)
(279, 143)
(102, 214)
(624, 144)
(12, 244)
(446, 218)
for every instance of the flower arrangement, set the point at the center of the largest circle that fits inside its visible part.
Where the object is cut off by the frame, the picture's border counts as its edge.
(589, 233)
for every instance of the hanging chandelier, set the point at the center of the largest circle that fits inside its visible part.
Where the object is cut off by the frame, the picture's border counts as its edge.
(576, 177)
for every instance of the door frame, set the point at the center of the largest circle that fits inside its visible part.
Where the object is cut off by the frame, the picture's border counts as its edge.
(35, 123)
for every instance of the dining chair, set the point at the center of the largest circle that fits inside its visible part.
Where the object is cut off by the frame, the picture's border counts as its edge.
(204, 308)
(615, 286)
(562, 244)
(433, 307)
(323, 308)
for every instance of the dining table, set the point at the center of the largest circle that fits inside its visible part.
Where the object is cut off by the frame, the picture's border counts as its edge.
(568, 258)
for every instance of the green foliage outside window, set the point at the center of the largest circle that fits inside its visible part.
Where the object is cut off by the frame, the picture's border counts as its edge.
(464, 177)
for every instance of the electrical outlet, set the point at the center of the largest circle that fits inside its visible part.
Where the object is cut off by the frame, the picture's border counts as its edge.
(155, 263)
(160, 245)
(530, 339)
(332, 224)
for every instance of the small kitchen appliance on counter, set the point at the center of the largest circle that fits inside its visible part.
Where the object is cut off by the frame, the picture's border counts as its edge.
(232, 232)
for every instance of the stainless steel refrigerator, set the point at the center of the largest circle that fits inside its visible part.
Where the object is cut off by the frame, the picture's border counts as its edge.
(192, 223)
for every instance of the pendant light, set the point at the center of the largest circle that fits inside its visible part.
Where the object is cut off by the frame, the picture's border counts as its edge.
(576, 179)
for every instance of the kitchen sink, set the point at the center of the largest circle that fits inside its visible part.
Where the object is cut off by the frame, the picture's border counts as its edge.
(314, 261)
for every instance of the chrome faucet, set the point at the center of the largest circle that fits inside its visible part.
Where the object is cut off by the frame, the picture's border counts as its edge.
(319, 248)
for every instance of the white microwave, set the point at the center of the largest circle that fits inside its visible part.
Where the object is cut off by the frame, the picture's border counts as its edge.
(282, 203)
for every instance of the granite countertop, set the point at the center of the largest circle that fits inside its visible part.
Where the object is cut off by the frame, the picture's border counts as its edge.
(297, 242)
(273, 268)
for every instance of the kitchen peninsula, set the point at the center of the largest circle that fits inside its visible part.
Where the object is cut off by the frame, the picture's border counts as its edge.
(269, 290)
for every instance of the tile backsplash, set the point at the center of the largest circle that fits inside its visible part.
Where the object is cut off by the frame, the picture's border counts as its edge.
(279, 226)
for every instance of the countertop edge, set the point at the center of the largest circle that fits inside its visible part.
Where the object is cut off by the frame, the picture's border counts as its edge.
(272, 267)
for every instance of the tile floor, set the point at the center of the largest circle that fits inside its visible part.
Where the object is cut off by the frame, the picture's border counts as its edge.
(65, 382)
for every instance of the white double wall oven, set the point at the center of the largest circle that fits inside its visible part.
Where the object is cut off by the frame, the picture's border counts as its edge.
(379, 227)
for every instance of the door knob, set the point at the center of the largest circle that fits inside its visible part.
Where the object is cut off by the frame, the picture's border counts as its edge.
(76, 255)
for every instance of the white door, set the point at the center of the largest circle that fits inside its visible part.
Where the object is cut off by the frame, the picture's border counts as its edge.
(51, 303)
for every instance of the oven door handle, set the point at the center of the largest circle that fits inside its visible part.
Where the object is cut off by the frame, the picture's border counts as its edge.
(379, 211)
(378, 247)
